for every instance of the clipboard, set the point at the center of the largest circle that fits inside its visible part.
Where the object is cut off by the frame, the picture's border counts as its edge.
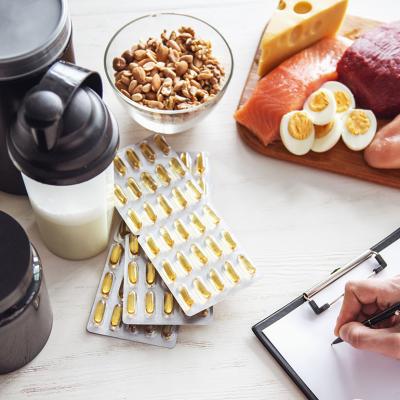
(314, 308)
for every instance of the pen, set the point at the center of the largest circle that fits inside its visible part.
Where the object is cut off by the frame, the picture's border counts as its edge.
(382, 316)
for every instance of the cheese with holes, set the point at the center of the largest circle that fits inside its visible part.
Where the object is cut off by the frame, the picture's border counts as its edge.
(297, 24)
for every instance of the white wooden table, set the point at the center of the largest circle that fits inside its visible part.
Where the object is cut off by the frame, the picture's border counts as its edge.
(295, 222)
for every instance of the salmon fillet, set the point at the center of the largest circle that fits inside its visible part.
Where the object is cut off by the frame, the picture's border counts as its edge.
(287, 87)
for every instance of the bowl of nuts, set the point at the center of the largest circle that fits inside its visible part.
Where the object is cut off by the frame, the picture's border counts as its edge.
(168, 70)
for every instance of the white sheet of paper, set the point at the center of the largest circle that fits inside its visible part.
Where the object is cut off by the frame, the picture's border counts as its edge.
(337, 372)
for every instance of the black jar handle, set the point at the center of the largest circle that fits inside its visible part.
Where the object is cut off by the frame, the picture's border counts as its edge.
(46, 103)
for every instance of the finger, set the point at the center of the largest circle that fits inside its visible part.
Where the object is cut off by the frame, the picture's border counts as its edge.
(358, 293)
(370, 309)
(383, 341)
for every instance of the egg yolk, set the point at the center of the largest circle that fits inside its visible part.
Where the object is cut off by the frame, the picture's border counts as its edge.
(358, 123)
(319, 102)
(322, 130)
(300, 126)
(342, 101)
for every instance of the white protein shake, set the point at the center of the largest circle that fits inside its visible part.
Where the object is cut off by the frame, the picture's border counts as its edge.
(74, 221)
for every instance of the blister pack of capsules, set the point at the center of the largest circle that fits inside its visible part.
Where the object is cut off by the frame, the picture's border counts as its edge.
(106, 314)
(147, 300)
(152, 183)
(189, 244)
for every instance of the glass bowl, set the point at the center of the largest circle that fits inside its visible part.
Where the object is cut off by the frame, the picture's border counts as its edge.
(167, 121)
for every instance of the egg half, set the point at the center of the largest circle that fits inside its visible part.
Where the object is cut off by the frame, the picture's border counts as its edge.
(297, 132)
(359, 128)
(343, 96)
(321, 106)
(326, 136)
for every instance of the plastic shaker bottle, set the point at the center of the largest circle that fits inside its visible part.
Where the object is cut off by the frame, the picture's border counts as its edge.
(64, 141)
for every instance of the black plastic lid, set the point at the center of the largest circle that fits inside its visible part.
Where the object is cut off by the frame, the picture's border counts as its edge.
(33, 35)
(64, 133)
(15, 262)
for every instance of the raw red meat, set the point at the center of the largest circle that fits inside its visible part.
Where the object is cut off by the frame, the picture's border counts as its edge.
(371, 69)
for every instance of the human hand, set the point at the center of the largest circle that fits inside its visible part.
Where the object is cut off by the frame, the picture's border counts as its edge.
(362, 300)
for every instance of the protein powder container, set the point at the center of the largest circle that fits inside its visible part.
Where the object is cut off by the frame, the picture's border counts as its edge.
(33, 35)
(25, 314)
(64, 142)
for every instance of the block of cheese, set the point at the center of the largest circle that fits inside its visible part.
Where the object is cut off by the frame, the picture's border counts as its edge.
(295, 25)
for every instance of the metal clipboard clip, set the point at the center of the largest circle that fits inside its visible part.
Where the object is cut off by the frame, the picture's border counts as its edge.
(338, 273)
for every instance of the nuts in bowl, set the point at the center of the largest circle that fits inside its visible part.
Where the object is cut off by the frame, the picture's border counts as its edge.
(170, 80)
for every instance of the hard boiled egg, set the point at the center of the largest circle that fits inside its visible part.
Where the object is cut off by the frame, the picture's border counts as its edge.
(326, 136)
(343, 96)
(297, 132)
(321, 106)
(359, 128)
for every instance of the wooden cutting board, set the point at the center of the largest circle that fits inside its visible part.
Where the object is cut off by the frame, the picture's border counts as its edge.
(339, 159)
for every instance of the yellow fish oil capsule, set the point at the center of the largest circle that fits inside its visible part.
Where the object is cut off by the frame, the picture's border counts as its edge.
(181, 229)
(123, 229)
(150, 273)
(164, 204)
(162, 144)
(212, 215)
(137, 222)
(121, 290)
(134, 188)
(201, 184)
(150, 212)
(116, 254)
(120, 195)
(107, 284)
(149, 330)
(148, 152)
(131, 302)
(149, 300)
(119, 165)
(230, 241)
(152, 245)
(184, 262)
(149, 182)
(133, 159)
(185, 158)
(185, 295)
(99, 310)
(198, 252)
(200, 164)
(193, 189)
(216, 280)
(167, 331)
(116, 316)
(133, 244)
(133, 272)
(213, 246)
(177, 167)
(163, 175)
(168, 303)
(179, 197)
(169, 271)
(248, 266)
(231, 272)
(201, 288)
(196, 222)
(167, 237)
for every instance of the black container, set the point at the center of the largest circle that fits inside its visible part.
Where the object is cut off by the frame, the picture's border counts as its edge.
(33, 35)
(25, 314)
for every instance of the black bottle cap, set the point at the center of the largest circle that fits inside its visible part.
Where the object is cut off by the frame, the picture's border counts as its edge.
(16, 262)
(64, 133)
(33, 35)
